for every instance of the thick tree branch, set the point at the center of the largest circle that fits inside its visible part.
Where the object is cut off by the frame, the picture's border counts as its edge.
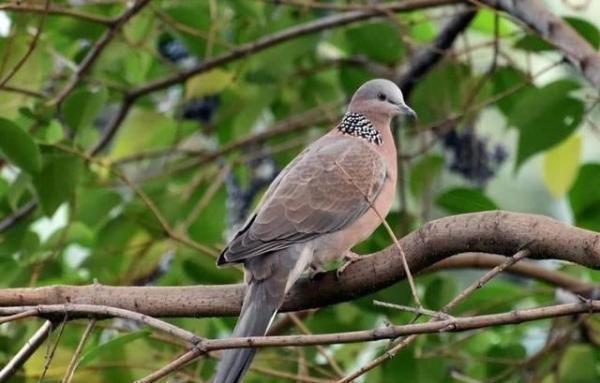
(554, 30)
(492, 232)
(261, 44)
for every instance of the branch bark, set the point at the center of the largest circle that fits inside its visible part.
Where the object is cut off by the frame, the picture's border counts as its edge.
(524, 268)
(492, 232)
(558, 33)
(426, 59)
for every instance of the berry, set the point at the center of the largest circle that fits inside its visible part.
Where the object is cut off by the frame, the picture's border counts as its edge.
(171, 48)
(202, 110)
(471, 157)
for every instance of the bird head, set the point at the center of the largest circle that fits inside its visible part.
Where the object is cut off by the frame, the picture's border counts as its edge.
(381, 97)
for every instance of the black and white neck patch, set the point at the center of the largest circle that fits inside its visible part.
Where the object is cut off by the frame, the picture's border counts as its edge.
(356, 124)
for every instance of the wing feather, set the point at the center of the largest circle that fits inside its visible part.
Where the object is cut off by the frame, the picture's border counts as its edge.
(311, 197)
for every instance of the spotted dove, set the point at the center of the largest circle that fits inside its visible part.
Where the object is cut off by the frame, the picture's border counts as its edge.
(328, 199)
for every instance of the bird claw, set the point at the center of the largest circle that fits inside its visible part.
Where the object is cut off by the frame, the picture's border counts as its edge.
(350, 259)
(316, 273)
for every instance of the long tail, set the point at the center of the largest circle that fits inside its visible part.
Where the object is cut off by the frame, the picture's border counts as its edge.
(258, 310)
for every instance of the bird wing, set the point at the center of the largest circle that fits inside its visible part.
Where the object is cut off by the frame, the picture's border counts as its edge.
(323, 190)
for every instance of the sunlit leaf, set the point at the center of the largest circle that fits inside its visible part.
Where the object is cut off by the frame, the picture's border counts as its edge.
(561, 164)
(207, 83)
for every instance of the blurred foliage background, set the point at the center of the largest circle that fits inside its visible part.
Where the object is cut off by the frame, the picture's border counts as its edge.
(504, 123)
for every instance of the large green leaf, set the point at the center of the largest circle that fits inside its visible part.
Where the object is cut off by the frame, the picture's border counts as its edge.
(112, 345)
(561, 164)
(579, 365)
(485, 22)
(57, 180)
(585, 198)
(587, 30)
(82, 106)
(424, 172)
(19, 147)
(465, 200)
(544, 117)
(379, 41)
(510, 85)
(143, 130)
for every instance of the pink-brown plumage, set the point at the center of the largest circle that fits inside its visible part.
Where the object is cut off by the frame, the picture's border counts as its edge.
(327, 200)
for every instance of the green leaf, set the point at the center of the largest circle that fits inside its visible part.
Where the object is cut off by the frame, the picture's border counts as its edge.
(504, 80)
(512, 352)
(424, 172)
(561, 164)
(143, 130)
(465, 200)
(17, 190)
(484, 22)
(587, 30)
(19, 147)
(440, 291)
(577, 365)
(82, 106)
(214, 81)
(57, 181)
(377, 40)
(584, 198)
(111, 346)
(544, 117)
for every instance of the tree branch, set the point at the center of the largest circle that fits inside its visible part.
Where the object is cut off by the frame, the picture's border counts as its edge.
(56, 11)
(524, 268)
(286, 35)
(558, 33)
(492, 232)
(424, 60)
(395, 331)
(26, 351)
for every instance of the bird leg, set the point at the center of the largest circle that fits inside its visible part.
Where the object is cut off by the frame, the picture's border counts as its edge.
(315, 271)
(350, 258)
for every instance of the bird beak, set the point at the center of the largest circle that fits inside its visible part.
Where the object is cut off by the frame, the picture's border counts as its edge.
(406, 110)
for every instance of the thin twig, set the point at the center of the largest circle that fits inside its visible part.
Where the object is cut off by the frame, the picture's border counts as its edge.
(96, 50)
(30, 49)
(56, 11)
(26, 351)
(52, 350)
(173, 366)
(75, 358)
(415, 310)
(100, 311)
(458, 324)
(331, 361)
(409, 277)
(459, 298)
(24, 314)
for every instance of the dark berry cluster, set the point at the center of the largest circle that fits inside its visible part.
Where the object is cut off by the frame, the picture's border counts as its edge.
(202, 109)
(171, 48)
(472, 157)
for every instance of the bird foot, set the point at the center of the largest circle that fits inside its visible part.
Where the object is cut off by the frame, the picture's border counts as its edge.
(350, 259)
(315, 272)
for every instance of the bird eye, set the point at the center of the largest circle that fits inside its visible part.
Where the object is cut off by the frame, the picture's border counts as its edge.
(381, 97)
